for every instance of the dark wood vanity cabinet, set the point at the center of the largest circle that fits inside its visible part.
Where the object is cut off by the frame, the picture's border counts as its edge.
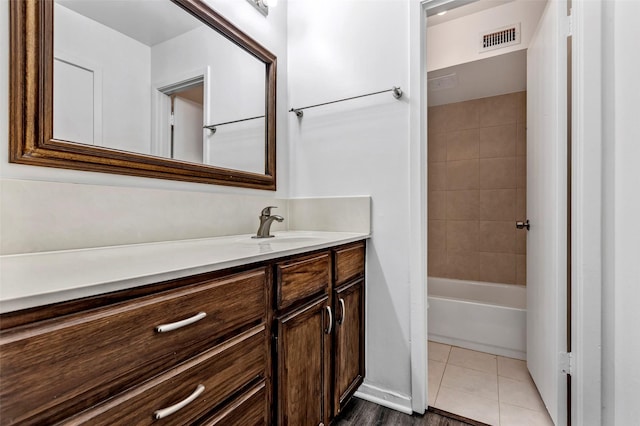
(349, 342)
(319, 334)
(277, 343)
(348, 302)
(128, 362)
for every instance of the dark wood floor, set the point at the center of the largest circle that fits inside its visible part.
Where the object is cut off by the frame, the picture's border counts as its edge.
(364, 413)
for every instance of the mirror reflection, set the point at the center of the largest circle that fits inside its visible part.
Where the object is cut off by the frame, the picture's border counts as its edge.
(145, 76)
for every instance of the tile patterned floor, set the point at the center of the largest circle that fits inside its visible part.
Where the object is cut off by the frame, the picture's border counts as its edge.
(488, 388)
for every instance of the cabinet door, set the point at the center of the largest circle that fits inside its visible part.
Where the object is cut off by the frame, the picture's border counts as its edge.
(349, 342)
(303, 365)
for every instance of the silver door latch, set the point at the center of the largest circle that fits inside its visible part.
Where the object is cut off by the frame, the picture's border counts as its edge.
(522, 225)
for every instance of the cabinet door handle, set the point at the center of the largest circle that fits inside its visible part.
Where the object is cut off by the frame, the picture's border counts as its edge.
(163, 328)
(341, 320)
(165, 412)
(330, 327)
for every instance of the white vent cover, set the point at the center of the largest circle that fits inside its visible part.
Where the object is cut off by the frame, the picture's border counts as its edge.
(500, 37)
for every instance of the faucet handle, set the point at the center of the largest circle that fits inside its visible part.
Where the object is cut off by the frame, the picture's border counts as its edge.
(267, 210)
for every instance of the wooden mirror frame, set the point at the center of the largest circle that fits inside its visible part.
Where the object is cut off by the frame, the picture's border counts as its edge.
(31, 107)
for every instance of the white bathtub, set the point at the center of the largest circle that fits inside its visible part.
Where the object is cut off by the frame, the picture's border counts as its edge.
(481, 316)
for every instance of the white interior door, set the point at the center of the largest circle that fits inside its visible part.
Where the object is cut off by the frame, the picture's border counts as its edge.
(77, 114)
(547, 208)
(187, 130)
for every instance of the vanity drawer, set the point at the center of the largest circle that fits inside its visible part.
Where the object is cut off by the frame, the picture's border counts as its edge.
(302, 277)
(349, 263)
(221, 371)
(250, 409)
(83, 358)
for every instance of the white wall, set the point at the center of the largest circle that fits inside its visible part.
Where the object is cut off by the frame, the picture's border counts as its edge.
(339, 49)
(621, 316)
(464, 33)
(270, 31)
(124, 65)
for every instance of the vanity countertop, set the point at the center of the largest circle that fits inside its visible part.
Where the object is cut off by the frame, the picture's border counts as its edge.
(35, 279)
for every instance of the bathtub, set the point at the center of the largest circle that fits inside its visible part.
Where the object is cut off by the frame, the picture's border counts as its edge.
(481, 316)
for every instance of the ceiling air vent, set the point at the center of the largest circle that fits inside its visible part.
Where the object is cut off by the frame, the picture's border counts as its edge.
(500, 37)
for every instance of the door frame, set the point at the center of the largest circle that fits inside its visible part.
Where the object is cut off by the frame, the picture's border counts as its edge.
(586, 221)
(161, 108)
(418, 202)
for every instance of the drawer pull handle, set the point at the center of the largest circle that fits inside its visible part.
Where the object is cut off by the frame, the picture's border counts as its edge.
(165, 412)
(163, 328)
(330, 327)
(341, 320)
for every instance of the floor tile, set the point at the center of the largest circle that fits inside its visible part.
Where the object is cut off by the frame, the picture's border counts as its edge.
(436, 370)
(471, 381)
(510, 415)
(472, 359)
(468, 405)
(521, 393)
(438, 351)
(513, 369)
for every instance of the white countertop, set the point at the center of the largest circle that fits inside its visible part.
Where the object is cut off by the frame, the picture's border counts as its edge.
(28, 280)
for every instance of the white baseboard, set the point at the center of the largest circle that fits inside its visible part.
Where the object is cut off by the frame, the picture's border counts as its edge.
(384, 397)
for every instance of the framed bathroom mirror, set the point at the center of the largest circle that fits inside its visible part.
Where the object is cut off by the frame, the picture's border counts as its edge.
(157, 88)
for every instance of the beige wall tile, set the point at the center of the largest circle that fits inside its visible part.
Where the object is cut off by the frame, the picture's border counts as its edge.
(521, 204)
(521, 241)
(498, 110)
(463, 115)
(521, 172)
(462, 174)
(437, 264)
(498, 204)
(462, 145)
(521, 139)
(475, 175)
(497, 267)
(498, 141)
(497, 237)
(437, 119)
(522, 107)
(521, 269)
(497, 173)
(437, 147)
(462, 235)
(437, 176)
(462, 265)
(437, 205)
(463, 205)
(437, 235)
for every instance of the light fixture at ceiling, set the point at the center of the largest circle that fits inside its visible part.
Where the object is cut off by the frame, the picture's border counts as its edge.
(263, 5)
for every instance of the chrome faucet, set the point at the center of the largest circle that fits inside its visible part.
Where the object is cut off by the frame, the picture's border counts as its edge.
(265, 222)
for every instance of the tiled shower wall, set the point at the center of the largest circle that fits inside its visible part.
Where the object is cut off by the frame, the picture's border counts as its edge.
(477, 189)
